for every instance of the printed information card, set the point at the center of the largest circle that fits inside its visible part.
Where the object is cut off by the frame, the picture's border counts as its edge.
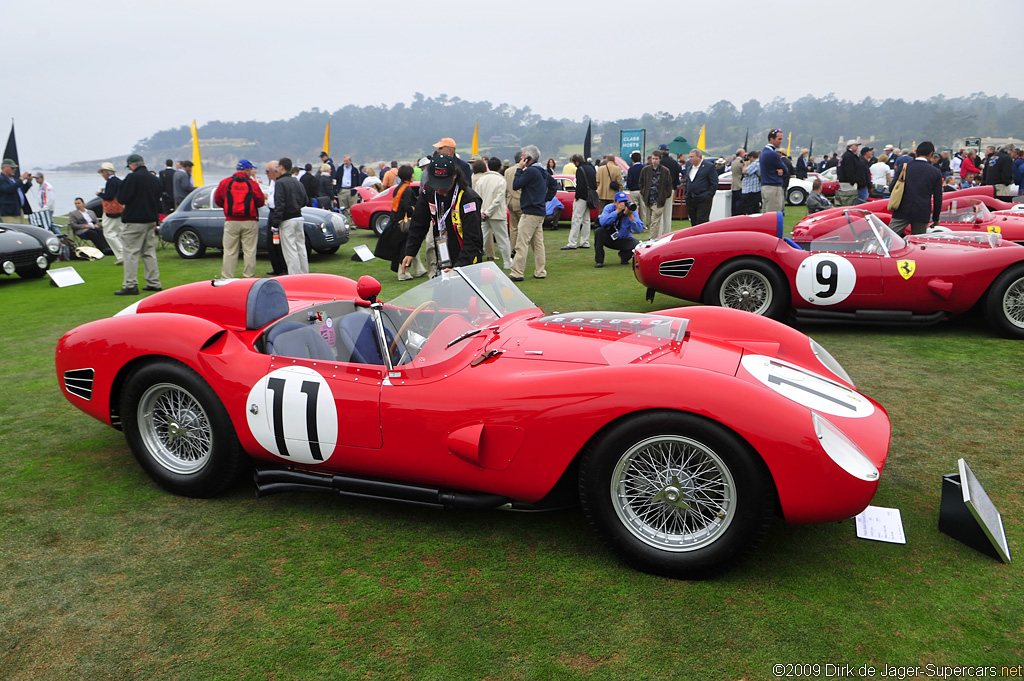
(881, 524)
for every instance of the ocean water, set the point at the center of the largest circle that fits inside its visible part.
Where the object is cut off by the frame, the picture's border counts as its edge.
(69, 184)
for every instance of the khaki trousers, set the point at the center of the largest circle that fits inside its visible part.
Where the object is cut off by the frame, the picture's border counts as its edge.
(246, 233)
(531, 237)
(112, 227)
(139, 242)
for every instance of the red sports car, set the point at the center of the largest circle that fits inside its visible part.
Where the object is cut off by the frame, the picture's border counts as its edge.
(567, 195)
(374, 213)
(461, 393)
(854, 269)
(960, 213)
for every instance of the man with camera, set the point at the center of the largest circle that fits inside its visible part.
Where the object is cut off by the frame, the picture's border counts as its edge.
(618, 223)
(537, 188)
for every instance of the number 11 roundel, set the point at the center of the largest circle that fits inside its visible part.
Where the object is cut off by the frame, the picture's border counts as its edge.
(291, 412)
(825, 279)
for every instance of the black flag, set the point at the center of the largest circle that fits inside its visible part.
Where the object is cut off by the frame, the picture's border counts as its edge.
(11, 150)
(586, 143)
(746, 139)
(810, 148)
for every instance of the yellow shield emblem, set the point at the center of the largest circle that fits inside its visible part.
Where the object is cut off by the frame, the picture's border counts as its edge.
(906, 268)
(995, 228)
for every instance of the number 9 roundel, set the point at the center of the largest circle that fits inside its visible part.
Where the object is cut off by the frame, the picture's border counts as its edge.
(825, 279)
(291, 412)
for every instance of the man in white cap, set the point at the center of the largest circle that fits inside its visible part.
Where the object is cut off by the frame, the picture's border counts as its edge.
(47, 196)
(112, 209)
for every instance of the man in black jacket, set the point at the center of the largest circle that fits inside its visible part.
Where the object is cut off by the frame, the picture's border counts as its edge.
(140, 193)
(450, 209)
(999, 172)
(922, 193)
(289, 199)
(676, 171)
(579, 232)
(846, 173)
(701, 185)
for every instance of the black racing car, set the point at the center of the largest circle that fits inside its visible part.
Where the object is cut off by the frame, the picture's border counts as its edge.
(27, 250)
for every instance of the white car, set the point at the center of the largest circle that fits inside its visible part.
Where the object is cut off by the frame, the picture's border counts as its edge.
(796, 192)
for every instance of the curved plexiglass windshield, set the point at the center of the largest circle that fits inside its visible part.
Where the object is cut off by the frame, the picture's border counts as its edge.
(476, 290)
(966, 211)
(859, 232)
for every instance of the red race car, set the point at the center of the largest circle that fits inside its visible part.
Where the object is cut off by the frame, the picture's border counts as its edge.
(461, 393)
(854, 269)
(374, 213)
(961, 212)
(567, 195)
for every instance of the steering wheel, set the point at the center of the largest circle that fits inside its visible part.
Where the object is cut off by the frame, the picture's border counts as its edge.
(409, 320)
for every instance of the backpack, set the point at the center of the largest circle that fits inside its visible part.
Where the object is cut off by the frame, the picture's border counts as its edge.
(239, 200)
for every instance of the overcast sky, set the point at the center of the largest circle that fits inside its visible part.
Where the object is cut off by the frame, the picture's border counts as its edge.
(85, 80)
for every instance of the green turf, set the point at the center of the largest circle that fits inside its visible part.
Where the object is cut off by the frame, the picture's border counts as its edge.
(104, 576)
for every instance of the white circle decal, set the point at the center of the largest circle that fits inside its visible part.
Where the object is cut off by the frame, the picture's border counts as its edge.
(291, 412)
(825, 279)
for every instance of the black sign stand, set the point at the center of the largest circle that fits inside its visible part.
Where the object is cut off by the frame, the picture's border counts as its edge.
(969, 516)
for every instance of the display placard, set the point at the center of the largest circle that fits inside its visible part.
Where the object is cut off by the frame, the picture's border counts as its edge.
(64, 276)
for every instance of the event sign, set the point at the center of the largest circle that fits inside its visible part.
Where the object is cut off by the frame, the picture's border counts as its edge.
(632, 140)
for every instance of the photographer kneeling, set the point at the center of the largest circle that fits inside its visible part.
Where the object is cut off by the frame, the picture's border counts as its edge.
(619, 222)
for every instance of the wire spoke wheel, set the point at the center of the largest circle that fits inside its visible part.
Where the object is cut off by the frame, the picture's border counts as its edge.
(673, 493)
(175, 428)
(747, 290)
(1013, 303)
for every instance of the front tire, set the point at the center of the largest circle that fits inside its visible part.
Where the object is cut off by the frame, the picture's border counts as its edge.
(796, 196)
(32, 272)
(750, 285)
(1004, 305)
(379, 222)
(189, 244)
(675, 494)
(179, 431)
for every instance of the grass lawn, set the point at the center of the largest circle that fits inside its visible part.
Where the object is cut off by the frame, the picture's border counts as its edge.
(105, 576)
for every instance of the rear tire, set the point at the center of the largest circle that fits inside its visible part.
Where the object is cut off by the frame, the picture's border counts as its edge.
(179, 431)
(750, 285)
(796, 196)
(1004, 304)
(675, 494)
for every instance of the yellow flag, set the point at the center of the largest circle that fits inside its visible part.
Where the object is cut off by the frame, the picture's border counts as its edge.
(700, 140)
(476, 132)
(327, 138)
(197, 162)
(789, 145)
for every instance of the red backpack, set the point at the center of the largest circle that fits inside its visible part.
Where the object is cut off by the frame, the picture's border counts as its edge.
(240, 199)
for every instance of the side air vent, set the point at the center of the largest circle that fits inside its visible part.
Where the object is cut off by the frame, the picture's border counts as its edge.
(676, 268)
(78, 382)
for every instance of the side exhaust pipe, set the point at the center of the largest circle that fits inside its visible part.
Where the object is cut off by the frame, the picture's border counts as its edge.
(274, 480)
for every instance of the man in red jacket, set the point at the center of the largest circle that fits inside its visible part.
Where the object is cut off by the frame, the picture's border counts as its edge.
(241, 197)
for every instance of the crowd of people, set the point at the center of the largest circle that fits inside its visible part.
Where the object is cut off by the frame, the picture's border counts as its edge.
(487, 207)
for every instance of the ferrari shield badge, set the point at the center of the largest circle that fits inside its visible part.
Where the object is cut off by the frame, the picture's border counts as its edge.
(995, 228)
(906, 268)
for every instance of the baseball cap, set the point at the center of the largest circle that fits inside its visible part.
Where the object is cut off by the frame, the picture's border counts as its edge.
(444, 142)
(107, 165)
(134, 158)
(441, 172)
(9, 162)
(621, 196)
(852, 143)
(244, 165)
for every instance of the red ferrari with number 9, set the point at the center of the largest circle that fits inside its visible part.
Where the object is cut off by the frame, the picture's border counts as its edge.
(854, 268)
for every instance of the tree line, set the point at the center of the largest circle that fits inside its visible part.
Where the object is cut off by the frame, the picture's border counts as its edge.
(406, 131)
